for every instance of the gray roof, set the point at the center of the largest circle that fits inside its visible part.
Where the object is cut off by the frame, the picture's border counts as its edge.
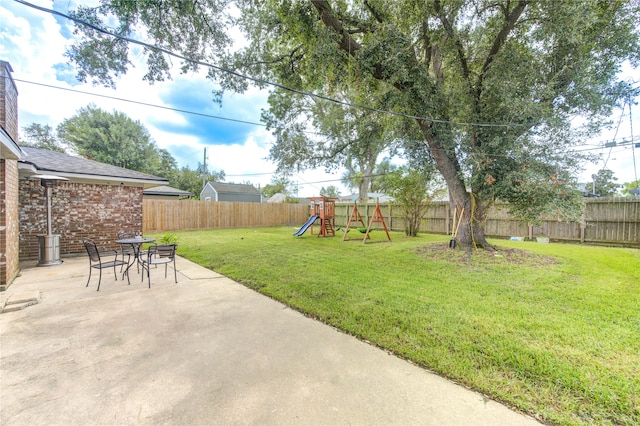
(234, 188)
(167, 190)
(66, 165)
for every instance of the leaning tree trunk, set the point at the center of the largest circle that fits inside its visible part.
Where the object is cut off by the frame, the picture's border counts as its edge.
(471, 230)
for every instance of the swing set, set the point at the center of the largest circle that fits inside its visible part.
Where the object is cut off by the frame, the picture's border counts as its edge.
(356, 218)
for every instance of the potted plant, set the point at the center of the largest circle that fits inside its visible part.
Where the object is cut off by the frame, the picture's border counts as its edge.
(168, 238)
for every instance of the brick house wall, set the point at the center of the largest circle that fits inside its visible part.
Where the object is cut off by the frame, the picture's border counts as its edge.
(78, 211)
(8, 101)
(9, 232)
(9, 264)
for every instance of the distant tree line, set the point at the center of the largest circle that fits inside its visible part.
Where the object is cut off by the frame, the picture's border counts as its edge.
(114, 138)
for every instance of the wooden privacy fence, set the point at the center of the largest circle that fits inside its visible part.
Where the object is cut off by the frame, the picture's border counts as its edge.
(606, 221)
(171, 215)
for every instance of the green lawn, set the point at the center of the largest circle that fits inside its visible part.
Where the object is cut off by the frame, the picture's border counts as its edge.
(551, 329)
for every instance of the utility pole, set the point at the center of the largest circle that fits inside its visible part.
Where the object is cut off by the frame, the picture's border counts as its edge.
(204, 168)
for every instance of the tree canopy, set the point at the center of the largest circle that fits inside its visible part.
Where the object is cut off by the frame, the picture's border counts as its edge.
(411, 189)
(604, 183)
(194, 180)
(41, 136)
(280, 184)
(312, 134)
(487, 90)
(114, 138)
(330, 191)
(627, 187)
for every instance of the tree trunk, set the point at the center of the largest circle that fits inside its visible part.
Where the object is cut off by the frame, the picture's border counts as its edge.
(471, 232)
(471, 229)
(365, 183)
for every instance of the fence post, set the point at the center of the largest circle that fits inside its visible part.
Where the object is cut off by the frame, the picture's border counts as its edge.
(447, 223)
(583, 227)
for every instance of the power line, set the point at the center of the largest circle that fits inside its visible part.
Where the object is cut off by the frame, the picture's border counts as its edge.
(594, 146)
(261, 81)
(50, 86)
(141, 103)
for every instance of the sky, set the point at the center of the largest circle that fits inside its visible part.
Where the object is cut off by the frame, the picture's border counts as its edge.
(34, 42)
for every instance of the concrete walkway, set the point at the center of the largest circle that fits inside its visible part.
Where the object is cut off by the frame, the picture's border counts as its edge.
(204, 351)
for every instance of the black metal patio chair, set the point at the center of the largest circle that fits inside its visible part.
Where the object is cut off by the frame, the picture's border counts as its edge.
(96, 261)
(159, 254)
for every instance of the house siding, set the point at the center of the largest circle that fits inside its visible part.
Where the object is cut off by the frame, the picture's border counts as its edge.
(230, 192)
(78, 211)
(239, 197)
(207, 191)
(9, 232)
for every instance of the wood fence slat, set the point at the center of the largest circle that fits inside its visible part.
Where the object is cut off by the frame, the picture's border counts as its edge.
(170, 215)
(606, 220)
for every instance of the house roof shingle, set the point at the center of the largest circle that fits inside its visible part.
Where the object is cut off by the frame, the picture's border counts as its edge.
(67, 165)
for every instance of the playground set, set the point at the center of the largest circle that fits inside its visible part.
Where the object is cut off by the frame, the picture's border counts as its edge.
(323, 209)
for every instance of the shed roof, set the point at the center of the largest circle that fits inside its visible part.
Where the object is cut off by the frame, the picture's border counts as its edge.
(41, 160)
(234, 188)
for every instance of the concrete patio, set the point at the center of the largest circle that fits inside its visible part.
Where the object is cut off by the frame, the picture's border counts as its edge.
(204, 351)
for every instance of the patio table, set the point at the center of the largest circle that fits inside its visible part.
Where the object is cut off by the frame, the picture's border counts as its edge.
(136, 244)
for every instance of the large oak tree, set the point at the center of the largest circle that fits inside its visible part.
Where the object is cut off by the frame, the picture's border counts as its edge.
(486, 89)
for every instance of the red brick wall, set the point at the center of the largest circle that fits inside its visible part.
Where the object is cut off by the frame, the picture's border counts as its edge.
(8, 101)
(9, 264)
(3, 225)
(78, 211)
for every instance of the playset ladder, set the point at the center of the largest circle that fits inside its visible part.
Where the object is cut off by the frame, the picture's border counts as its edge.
(326, 228)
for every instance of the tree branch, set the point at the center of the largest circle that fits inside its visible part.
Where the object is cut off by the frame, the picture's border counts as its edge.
(376, 14)
(347, 43)
(427, 44)
(452, 33)
(510, 21)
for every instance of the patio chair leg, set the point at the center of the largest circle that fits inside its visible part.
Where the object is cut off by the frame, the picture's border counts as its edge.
(90, 268)
(99, 280)
(175, 273)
